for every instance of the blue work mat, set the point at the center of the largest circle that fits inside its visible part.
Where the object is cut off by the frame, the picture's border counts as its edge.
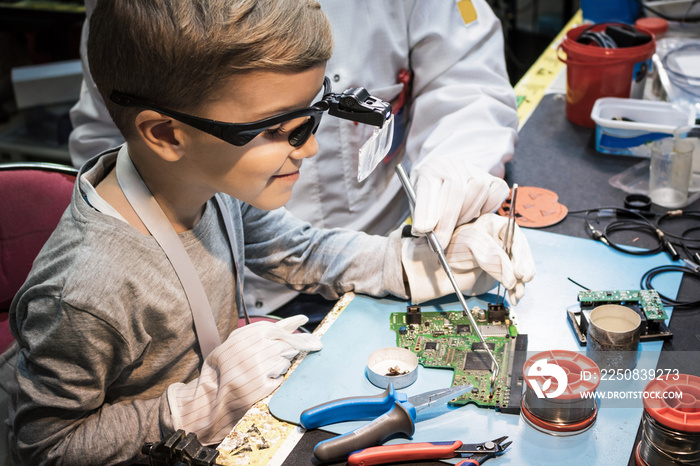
(337, 371)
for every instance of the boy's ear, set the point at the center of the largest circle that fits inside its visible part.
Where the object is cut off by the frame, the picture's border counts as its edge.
(158, 133)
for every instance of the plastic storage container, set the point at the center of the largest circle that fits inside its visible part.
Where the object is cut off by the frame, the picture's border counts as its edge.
(594, 72)
(627, 126)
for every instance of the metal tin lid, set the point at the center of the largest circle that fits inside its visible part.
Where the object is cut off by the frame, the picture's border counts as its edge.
(674, 401)
(392, 365)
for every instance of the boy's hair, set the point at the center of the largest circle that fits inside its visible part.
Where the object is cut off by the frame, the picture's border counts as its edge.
(177, 53)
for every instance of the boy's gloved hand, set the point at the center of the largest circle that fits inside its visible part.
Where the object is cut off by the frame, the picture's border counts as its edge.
(244, 369)
(451, 192)
(477, 259)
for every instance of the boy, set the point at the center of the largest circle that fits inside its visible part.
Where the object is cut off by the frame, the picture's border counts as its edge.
(441, 64)
(125, 335)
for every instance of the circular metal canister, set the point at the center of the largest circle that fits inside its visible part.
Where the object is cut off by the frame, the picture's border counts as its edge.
(671, 422)
(613, 337)
(559, 388)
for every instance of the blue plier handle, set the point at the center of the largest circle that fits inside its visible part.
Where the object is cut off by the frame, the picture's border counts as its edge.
(355, 408)
(392, 411)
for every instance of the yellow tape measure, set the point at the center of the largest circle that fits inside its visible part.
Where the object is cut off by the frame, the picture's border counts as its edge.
(533, 85)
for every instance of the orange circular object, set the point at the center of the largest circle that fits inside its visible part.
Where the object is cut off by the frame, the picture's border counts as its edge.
(535, 207)
(682, 413)
(575, 365)
(656, 26)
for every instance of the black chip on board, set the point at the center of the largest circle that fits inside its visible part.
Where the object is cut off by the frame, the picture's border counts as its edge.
(479, 346)
(480, 361)
(431, 345)
(463, 328)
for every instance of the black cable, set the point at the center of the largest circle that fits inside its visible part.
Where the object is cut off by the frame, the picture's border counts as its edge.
(649, 275)
(669, 18)
(638, 222)
(640, 219)
(689, 230)
(621, 225)
(577, 284)
(687, 248)
(679, 215)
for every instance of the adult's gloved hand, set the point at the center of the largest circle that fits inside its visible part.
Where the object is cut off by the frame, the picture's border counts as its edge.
(244, 369)
(451, 192)
(478, 261)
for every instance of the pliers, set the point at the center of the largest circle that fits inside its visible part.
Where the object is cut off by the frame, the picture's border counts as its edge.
(476, 453)
(393, 413)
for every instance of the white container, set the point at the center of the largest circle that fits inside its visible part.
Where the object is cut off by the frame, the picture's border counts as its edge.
(627, 126)
(47, 84)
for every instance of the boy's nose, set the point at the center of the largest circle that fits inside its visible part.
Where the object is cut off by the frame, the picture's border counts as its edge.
(308, 149)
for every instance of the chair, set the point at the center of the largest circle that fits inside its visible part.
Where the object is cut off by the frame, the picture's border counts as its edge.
(33, 197)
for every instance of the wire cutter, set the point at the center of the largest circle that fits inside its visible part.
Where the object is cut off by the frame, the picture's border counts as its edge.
(476, 453)
(393, 413)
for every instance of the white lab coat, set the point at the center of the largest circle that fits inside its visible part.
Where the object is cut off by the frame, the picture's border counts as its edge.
(462, 103)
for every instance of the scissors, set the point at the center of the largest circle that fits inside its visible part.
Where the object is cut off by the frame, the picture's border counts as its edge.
(393, 413)
(476, 453)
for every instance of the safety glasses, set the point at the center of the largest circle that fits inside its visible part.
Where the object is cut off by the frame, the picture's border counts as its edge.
(240, 134)
(355, 104)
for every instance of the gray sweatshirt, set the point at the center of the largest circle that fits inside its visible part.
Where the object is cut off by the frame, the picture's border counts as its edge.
(103, 326)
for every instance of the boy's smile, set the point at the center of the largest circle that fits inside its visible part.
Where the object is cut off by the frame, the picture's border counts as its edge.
(263, 172)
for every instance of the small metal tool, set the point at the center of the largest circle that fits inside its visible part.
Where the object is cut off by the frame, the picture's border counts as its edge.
(508, 238)
(437, 249)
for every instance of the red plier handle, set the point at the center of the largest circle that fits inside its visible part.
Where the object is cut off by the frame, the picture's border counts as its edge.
(404, 452)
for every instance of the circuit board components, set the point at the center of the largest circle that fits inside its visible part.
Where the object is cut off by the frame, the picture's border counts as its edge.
(646, 303)
(447, 340)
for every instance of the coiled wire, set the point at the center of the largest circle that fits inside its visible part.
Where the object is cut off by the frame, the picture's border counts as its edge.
(662, 446)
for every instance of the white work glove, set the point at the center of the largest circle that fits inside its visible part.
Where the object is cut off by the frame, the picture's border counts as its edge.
(477, 259)
(244, 369)
(451, 192)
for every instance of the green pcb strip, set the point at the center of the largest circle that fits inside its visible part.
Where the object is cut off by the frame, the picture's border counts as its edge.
(648, 301)
(447, 340)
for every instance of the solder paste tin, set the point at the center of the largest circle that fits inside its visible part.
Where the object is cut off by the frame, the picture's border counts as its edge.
(613, 337)
(671, 422)
(392, 365)
(554, 401)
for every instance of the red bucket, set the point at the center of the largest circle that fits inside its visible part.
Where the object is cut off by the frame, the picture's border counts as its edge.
(593, 72)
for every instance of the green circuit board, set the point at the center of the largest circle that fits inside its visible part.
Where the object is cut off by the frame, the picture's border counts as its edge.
(648, 301)
(447, 340)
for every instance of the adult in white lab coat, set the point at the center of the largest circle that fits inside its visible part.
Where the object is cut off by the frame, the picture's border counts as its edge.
(456, 122)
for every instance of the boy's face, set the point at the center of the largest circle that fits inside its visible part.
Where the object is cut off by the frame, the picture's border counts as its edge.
(262, 172)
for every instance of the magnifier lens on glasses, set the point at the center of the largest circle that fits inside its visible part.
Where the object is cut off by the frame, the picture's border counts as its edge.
(356, 104)
(375, 149)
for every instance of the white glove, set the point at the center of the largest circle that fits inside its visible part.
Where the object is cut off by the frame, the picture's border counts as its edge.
(451, 192)
(244, 369)
(477, 259)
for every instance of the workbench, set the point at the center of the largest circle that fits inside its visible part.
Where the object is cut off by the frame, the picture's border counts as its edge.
(552, 153)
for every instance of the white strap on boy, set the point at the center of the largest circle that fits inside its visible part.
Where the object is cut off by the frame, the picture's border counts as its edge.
(153, 217)
(232, 242)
